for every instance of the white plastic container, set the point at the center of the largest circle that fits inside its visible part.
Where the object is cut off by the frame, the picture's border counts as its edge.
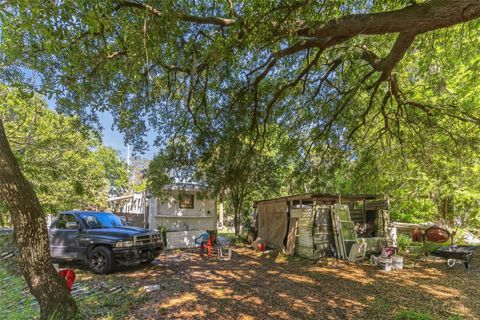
(397, 262)
(392, 235)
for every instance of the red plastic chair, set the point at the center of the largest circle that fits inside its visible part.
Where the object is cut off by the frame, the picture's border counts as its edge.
(206, 244)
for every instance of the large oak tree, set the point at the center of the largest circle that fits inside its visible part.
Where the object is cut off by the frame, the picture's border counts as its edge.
(210, 70)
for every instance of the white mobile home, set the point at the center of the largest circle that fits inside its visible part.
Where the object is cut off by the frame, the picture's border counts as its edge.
(185, 211)
(131, 208)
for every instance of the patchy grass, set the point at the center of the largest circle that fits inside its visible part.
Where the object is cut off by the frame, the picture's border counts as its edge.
(415, 315)
(110, 306)
(13, 289)
(380, 307)
(13, 295)
(412, 315)
(16, 302)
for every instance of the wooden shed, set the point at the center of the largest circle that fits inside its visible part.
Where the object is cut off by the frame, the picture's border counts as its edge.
(321, 225)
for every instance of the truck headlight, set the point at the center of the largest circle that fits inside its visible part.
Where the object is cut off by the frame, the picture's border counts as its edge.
(123, 244)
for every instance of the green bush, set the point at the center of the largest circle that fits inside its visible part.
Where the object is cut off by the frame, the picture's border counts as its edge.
(163, 232)
(248, 231)
(404, 241)
(412, 315)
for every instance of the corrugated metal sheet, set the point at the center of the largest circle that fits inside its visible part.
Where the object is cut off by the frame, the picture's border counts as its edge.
(322, 249)
(377, 204)
(272, 222)
(315, 233)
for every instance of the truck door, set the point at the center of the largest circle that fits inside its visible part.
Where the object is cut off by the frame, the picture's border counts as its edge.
(64, 235)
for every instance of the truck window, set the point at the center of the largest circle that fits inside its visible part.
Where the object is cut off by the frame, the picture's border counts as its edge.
(63, 219)
(95, 220)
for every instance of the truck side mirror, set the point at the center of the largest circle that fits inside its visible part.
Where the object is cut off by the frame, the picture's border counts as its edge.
(71, 225)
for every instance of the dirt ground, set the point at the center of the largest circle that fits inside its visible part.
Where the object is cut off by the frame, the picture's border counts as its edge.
(270, 286)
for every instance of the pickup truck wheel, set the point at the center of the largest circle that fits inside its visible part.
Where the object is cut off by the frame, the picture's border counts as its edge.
(101, 260)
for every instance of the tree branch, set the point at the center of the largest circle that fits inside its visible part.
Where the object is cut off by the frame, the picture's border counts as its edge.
(386, 65)
(224, 22)
(416, 19)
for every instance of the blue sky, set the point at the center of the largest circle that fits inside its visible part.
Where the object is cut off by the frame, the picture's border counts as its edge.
(112, 137)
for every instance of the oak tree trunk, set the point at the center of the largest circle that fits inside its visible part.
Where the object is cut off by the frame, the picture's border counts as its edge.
(236, 222)
(31, 237)
(236, 204)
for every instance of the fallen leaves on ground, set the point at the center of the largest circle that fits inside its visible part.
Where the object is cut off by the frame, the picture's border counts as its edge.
(255, 286)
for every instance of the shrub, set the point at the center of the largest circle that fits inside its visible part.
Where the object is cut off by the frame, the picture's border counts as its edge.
(163, 232)
(412, 315)
(404, 241)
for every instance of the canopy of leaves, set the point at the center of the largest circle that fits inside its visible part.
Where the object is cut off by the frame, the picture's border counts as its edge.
(65, 162)
(239, 92)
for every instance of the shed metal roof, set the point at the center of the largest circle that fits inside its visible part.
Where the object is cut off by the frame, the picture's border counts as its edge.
(323, 197)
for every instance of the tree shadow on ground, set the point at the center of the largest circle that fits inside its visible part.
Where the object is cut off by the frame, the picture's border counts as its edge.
(255, 286)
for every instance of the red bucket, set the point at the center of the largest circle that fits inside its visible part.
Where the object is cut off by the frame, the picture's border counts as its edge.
(261, 246)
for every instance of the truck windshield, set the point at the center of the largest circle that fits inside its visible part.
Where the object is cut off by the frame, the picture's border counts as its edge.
(95, 220)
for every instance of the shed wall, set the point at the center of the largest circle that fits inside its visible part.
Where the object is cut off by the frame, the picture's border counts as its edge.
(314, 237)
(272, 223)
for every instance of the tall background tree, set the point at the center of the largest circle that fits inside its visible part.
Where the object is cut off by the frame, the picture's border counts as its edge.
(64, 160)
(235, 179)
(31, 237)
(64, 166)
(220, 74)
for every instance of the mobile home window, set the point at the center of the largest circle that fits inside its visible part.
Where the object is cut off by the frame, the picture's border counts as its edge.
(186, 201)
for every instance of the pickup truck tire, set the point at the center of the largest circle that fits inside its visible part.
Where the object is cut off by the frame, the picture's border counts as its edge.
(101, 260)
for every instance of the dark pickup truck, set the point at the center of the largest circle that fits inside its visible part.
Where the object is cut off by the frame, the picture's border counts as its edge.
(101, 240)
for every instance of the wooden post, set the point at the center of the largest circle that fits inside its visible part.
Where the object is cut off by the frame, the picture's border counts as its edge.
(221, 213)
(364, 211)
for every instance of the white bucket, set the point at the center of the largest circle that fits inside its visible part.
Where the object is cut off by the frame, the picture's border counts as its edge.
(397, 262)
(384, 264)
